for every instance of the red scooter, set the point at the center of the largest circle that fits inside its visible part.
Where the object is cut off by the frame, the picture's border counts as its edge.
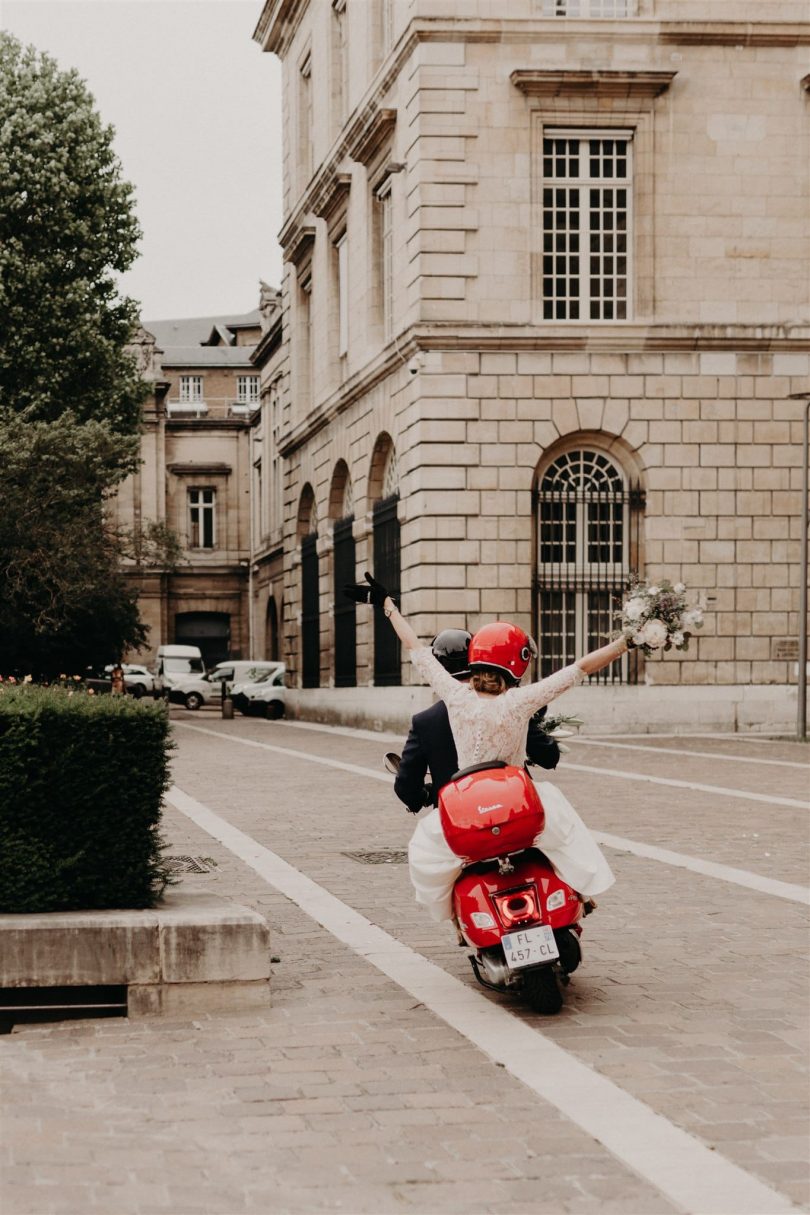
(519, 918)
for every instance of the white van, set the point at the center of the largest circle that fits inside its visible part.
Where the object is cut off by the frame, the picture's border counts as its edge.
(194, 691)
(175, 661)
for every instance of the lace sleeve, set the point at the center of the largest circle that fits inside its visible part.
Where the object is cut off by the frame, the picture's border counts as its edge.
(534, 695)
(429, 668)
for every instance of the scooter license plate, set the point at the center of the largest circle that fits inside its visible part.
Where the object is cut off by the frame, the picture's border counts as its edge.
(530, 946)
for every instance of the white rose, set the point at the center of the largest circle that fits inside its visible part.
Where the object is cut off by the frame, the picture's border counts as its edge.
(679, 588)
(677, 640)
(634, 609)
(654, 634)
(653, 590)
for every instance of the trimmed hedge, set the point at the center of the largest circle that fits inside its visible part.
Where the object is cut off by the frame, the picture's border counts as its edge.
(81, 783)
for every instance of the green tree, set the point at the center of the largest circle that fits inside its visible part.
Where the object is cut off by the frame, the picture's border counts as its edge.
(64, 602)
(70, 392)
(67, 228)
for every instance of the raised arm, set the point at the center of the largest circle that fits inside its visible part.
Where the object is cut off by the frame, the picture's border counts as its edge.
(534, 695)
(597, 659)
(400, 625)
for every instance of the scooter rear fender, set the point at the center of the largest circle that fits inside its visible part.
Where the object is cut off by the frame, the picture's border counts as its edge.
(478, 913)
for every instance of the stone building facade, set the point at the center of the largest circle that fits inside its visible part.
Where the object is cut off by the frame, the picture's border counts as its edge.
(545, 300)
(195, 478)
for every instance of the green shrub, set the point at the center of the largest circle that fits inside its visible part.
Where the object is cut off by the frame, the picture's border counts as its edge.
(81, 783)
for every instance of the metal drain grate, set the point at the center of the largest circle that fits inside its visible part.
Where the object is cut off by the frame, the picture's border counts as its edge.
(379, 856)
(190, 864)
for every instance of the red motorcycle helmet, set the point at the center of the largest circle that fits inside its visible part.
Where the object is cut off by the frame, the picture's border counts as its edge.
(502, 647)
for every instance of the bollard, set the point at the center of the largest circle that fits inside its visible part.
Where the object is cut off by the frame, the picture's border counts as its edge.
(227, 703)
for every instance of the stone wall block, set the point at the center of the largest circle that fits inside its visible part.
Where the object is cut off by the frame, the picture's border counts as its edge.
(555, 386)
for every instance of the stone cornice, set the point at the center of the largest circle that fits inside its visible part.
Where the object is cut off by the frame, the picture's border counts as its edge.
(367, 136)
(599, 83)
(304, 239)
(194, 470)
(627, 337)
(333, 195)
(277, 25)
(616, 339)
(370, 126)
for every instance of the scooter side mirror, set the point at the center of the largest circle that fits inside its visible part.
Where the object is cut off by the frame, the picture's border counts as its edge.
(391, 762)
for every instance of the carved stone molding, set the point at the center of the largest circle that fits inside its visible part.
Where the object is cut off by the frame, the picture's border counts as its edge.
(367, 139)
(333, 197)
(301, 246)
(200, 470)
(592, 83)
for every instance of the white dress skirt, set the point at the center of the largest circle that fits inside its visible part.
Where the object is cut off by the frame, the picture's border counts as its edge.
(574, 854)
(495, 728)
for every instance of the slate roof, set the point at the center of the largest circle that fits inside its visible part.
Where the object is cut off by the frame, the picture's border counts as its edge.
(181, 340)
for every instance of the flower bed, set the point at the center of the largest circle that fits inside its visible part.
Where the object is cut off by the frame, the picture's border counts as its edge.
(81, 783)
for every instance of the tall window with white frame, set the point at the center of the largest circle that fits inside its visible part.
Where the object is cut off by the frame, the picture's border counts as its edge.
(342, 268)
(303, 336)
(385, 255)
(589, 8)
(247, 389)
(202, 529)
(340, 62)
(305, 118)
(587, 222)
(191, 389)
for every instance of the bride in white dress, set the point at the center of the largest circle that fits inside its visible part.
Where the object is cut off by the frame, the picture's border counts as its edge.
(489, 720)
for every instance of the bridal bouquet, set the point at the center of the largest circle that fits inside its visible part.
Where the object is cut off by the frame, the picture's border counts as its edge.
(657, 616)
(558, 727)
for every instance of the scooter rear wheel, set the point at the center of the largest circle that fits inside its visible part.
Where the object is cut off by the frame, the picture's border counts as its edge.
(542, 991)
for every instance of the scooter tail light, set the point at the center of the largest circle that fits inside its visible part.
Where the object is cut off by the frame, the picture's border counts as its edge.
(520, 907)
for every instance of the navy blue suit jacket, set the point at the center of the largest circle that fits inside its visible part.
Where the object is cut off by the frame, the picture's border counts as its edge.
(430, 746)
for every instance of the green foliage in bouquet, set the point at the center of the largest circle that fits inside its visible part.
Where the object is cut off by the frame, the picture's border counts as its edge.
(657, 616)
(81, 783)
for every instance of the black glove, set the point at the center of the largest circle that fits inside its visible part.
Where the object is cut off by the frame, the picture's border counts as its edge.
(374, 592)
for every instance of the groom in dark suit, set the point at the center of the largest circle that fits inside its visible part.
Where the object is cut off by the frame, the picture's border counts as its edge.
(430, 745)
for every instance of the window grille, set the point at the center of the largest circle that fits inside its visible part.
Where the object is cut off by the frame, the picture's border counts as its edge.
(247, 389)
(202, 518)
(310, 614)
(588, 530)
(345, 610)
(586, 226)
(387, 652)
(589, 8)
(191, 389)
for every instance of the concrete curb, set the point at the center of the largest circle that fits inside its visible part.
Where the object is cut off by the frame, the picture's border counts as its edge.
(194, 952)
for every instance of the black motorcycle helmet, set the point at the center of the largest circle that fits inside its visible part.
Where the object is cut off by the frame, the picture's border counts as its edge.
(450, 648)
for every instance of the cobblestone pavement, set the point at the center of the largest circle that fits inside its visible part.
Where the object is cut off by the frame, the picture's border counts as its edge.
(348, 1095)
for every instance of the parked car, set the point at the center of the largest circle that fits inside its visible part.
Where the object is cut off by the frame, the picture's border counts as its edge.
(172, 663)
(244, 670)
(194, 691)
(138, 680)
(262, 697)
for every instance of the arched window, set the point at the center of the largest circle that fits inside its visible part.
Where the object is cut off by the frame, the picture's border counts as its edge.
(384, 486)
(588, 515)
(310, 600)
(341, 508)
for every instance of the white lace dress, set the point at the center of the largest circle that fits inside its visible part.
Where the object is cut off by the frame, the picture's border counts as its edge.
(494, 727)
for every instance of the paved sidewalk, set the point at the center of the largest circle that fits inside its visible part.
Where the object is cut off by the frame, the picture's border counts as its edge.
(342, 1097)
(348, 1095)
